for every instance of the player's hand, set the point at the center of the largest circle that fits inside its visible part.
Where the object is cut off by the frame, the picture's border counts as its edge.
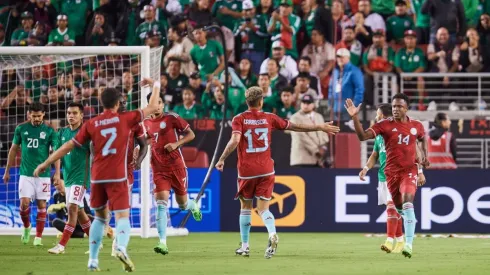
(329, 128)
(6, 177)
(421, 179)
(39, 170)
(362, 174)
(425, 163)
(171, 146)
(219, 165)
(147, 81)
(351, 108)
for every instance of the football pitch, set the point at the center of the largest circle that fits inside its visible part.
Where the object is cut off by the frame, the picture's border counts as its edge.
(298, 253)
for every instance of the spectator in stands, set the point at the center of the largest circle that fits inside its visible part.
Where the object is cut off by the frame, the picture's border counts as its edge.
(153, 39)
(208, 55)
(213, 100)
(473, 56)
(422, 21)
(20, 35)
(443, 55)
(36, 84)
(277, 81)
(304, 66)
(130, 90)
(230, 43)
(165, 9)
(54, 108)
(383, 8)
(3, 39)
(285, 108)
(89, 102)
(180, 48)
(319, 18)
(288, 66)
(372, 19)
(196, 83)
(16, 103)
(411, 59)
(43, 12)
(445, 14)
(245, 73)
(484, 32)
(65, 85)
(77, 12)
(470, 11)
(189, 109)
(150, 24)
(9, 79)
(362, 31)
(340, 21)
(38, 36)
(62, 36)
(265, 84)
(252, 31)
(346, 82)
(98, 31)
(176, 81)
(308, 149)
(284, 27)
(397, 24)
(128, 21)
(442, 144)
(378, 58)
(302, 88)
(227, 12)
(200, 13)
(353, 45)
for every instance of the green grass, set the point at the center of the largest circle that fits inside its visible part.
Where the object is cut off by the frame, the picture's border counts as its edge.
(298, 253)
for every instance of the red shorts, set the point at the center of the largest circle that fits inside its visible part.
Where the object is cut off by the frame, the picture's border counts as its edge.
(130, 176)
(260, 188)
(172, 180)
(402, 183)
(117, 193)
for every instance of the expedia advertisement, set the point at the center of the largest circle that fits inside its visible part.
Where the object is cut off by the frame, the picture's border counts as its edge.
(336, 200)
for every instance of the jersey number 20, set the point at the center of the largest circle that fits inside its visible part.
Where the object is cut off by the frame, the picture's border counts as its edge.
(263, 135)
(112, 133)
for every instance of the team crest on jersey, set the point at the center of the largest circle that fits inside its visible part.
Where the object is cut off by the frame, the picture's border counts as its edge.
(163, 125)
(42, 135)
(179, 83)
(416, 58)
(413, 131)
(66, 37)
(211, 54)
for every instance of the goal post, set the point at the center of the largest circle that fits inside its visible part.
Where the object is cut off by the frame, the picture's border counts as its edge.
(111, 64)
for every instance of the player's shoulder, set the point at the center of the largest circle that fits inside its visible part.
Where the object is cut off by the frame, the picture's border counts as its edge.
(23, 125)
(48, 126)
(238, 117)
(172, 114)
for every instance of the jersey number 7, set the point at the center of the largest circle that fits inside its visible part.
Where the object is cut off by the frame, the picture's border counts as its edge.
(263, 135)
(112, 133)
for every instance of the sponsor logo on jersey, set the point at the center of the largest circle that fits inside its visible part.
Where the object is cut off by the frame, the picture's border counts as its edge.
(287, 203)
(26, 133)
(394, 130)
(413, 131)
(42, 135)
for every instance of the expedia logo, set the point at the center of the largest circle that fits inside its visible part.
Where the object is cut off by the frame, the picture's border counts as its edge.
(287, 203)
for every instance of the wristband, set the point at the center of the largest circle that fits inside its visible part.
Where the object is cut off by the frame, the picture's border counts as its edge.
(366, 168)
(157, 85)
(420, 170)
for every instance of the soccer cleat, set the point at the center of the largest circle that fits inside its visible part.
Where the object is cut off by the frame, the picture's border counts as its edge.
(398, 247)
(128, 265)
(196, 214)
(272, 246)
(93, 266)
(37, 241)
(387, 246)
(26, 235)
(242, 252)
(58, 249)
(161, 248)
(407, 251)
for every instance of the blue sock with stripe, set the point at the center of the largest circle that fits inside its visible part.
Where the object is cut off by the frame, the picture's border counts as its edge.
(245, 224)
(162, 220)
(409, 222)
(95, 237)
(123, 228)
(269, 221)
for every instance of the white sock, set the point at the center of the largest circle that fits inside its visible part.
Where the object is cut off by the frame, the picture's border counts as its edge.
(272, 233)
(389, 239)
(163, 241)
(244, 245)
(400, 239)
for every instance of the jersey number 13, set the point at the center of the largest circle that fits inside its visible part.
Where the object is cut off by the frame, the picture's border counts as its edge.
(262, 134)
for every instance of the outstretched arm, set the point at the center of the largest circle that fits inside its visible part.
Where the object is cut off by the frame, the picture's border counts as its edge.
(230, 147)
(58, 154)
(325, 127)
(353, 111)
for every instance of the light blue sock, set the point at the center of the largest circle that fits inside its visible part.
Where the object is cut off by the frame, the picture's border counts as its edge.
(190, 205)
(123, 228)
(269, 221)
(95, 238)
(245, 224)
(162, 220)
(409, 222)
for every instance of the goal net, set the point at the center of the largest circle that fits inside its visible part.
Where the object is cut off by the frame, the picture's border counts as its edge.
(57, 76)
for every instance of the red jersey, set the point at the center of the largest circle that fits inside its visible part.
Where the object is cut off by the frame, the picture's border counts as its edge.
(136, 132)
(162, 131)
(254, 153)
(110, 134)
(400, 143)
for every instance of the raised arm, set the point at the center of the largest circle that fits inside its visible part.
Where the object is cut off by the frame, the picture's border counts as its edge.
(152, 106)
(230, 147)
(353, 112)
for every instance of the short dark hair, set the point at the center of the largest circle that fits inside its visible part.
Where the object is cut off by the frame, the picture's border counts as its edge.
(386, 109)
(174, 59)
(440, 117)
(76, 104)
(275, 61)
(110, 97)
(264, 74)
(36, 107)
(349, 28)
(304, 75)
(189, 88)
(149, 96)
(402, 96)
(306, 58)
(287, 89)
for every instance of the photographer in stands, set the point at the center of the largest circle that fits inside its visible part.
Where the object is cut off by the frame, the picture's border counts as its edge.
(442, 144)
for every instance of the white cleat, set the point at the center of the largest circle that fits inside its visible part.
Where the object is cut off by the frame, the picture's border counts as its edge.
(243, 252)
(93, 265)
(272, 246)
(58, 249)
(128, 265)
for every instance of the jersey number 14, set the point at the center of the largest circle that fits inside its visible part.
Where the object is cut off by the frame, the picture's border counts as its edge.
(263, 134)
(402, 139)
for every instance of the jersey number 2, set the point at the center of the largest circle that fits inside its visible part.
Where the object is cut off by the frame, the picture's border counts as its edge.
(263, 135)
(402, 139)
(107, 150)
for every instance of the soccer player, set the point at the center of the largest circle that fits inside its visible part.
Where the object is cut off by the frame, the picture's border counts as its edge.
(400, 135)
(76, 175)
(169, 170)
(34, 138)
(109, 133)
(255, 165)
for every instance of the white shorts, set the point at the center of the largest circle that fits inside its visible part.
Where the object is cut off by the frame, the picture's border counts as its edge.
(75, 195)
(35, 188)
(384, 195)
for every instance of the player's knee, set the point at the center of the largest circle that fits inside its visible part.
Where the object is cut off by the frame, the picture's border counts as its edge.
(73, 209)
(246, 204)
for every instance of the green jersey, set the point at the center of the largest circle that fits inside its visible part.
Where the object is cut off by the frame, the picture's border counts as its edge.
(423, 20)
(379, 147)
(37, 87)
(249, 81)
(207, 57)
(214, 109)
(194, 112)
(397, 25)
(283, 111)
(236, 97)
(35, 142)
(143, 28)
(76, 10)
(19, 37)
(309, 23)
(178, 84)
(226, 20)
(383, 6)
(75, 164)
(294, 23)
(253, 39)
(410, 61)
(379, 53)
(57, 36)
